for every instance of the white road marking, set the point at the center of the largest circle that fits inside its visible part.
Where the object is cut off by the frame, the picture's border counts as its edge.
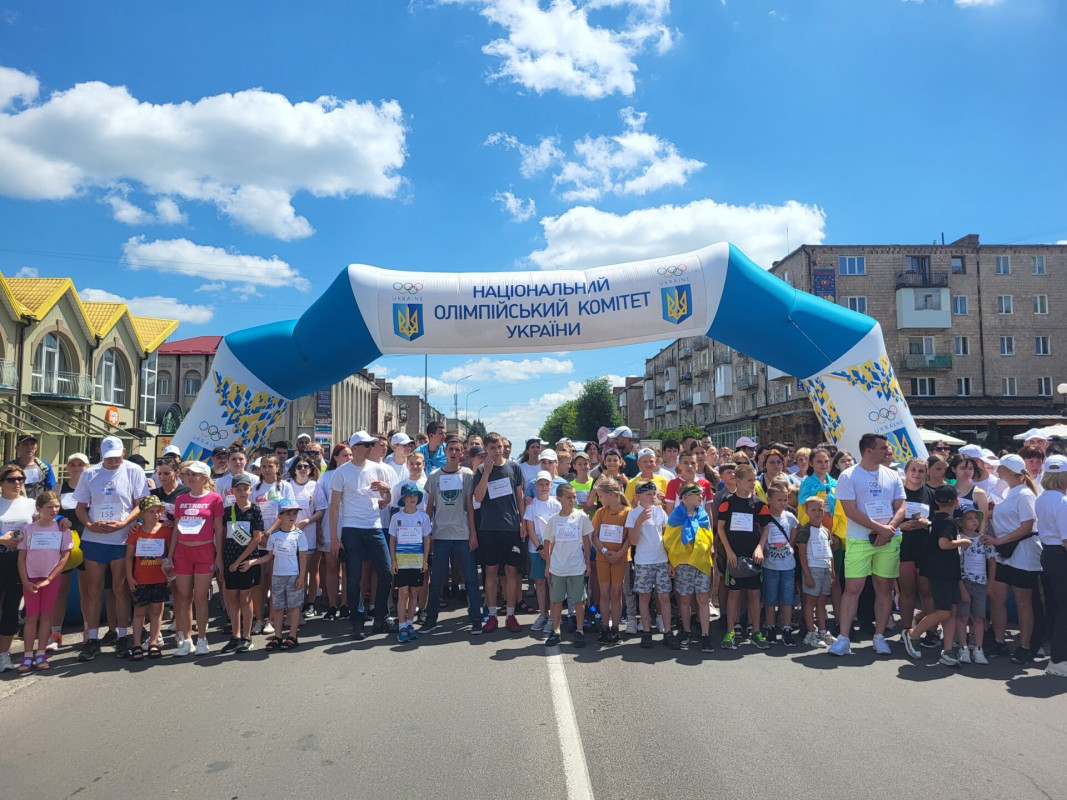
(575, 769)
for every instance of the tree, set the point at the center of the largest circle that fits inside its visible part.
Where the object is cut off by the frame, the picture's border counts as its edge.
(687, 429)
(560, 423)
(594, 408)
(476, 428)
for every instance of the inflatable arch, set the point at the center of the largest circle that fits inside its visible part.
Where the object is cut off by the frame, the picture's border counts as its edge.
(717, 291)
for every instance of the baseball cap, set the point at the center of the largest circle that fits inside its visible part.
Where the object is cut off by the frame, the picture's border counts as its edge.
(400, 438)
(287, 504)
(111, 447)
(219, 451)
(361, 437)
(580, 454)
(304, 436)
(548, 455)
(1056, 464)
(409, 489)
(971, 450)
(1014, 463)
(476, 451)
(258, 463)
(241, 480)
(78, 457)
(199, 467)
(945, 494)
(26, 437)
(622, 430)
(744, 441)
(989, 458)
(172, 450)
(1034, 433)
(543, 475)
(646, 451)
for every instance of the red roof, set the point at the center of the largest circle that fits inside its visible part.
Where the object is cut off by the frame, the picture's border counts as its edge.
(194, 346)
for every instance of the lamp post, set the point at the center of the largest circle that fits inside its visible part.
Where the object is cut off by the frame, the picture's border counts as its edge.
(455, 398)
(479, 414)
(467, 404)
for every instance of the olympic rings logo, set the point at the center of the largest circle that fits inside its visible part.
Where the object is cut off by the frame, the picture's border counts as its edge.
(213, 432)
(673, 272)
(883, 415)
(407, 288)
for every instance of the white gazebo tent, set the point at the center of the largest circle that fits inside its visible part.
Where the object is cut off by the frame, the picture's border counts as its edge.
(1058, 430)
(929, 437)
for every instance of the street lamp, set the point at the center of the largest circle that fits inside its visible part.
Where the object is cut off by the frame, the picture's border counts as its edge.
(455, 397)
(467, 404)
(478, 416)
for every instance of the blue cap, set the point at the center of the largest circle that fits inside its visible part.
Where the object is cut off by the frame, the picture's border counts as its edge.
(287, 505)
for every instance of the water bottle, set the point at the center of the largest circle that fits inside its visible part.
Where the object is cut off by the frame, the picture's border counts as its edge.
(168, 569)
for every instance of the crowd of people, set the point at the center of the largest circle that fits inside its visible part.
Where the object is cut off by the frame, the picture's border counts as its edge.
(783, 546)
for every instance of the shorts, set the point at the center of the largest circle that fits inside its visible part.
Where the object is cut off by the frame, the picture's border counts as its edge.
(823, 579)
(912, 545)
(651, 576)
(839, 561)
(562, 587)
(752, 582)
(946, 594)
(976, 607)
(690, 580)
(500, 548)
(284, 593)
(537, 567)
(409, 578)
(862, 559)
(606, 572)
(194, 560)
(237, 581)
(1019, 578)
(41, 602)
(778, 588)
(147, 594)
(103, 553)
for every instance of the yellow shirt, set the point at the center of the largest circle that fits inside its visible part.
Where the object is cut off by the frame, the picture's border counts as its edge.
(633, 483)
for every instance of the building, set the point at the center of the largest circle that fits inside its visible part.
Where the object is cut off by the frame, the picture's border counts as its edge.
(73, 371)
(630, 400)
(976, 334)
(413, 410)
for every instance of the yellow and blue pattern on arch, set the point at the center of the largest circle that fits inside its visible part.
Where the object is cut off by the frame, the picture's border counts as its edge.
(876, 376)
(824, 408)
(252, 415)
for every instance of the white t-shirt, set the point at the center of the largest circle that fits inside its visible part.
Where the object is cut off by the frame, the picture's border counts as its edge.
(667, 473)
(321, 500)
(539, 512)
(650, 544)
(267, 497)
(15, 515)
(224, 488)
(286, 547)
(110, 494)
(779, 553)
(359, 505)
(1017, 507)
(401, 470)
(820, 556)
(1051, 509)
(568, 536)
(874, 493)
(303, 496)
(421, 483)
(529, 471)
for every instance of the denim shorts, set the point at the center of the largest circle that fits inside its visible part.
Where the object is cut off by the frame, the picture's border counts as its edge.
(778, 588)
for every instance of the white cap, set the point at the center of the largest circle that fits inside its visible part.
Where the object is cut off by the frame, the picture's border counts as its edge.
(744, 441)
(1014, 463)
(360, 437)
(198, 467)
(548, 454)
(1056, 464)
(990, 458)
(78, 457)
(646, 451)
(1034, 433)
(400, 438)
(172, 450)
(971, 450)
(304, 436)
(543, 475)
(111, 447)
(622, 430)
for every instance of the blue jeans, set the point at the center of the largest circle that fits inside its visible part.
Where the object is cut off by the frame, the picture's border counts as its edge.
(442, 549)
(367, 544)
(778, 588)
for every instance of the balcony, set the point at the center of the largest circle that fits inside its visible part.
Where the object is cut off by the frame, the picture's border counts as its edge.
(687, 404)
(685, 377)
(922, 280)
(699, 398)
(8, 376)
(62, 386)
(747, 381)
(685, 350)
(700, 369)
(922, 362)
(649, 413)
(724, 357)
(672, 405)
(669, 385)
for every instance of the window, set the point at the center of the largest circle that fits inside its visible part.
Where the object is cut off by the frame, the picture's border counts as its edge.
(959, 265)
(1010, 388)
(1037, 264)
(928, 301)
(1044, 387)
(917, 264)
(1003, 265)
(963, 345)
(192, 384)
(1040, 303)
(852, 265)
(52, 366)
(1042, 345)
(148, 390)
(857, 303)
(963, 387)
(921, 345)
(922, 387)
(163, 384)
(1007, 345)
(1004, 304)
(959, 305)
(111, 379)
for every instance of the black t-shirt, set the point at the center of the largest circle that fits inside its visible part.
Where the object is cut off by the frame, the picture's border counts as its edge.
(942, 565)
(744, 519)
(501, 513)
(915, 500)
(168, 499)
(69, 513)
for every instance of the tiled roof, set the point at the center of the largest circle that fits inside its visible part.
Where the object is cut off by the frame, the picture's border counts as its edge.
(151, 332)
(38, 295)
(193, 346)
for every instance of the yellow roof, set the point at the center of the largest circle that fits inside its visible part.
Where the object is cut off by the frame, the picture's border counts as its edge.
(103, 316)
(152, 332)
(18, 308)
(38, 295)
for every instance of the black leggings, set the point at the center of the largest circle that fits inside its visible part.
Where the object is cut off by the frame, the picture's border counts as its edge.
(10, 594)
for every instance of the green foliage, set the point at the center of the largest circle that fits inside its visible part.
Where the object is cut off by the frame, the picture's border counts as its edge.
(595, 407)
(688, 429)
(476, 428)
(560, 423)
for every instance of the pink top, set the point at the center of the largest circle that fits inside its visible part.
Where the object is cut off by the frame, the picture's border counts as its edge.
(44, 546)
(194, 517)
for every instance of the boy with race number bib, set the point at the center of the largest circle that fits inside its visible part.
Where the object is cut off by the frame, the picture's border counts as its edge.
(146, 547)
(243, 523)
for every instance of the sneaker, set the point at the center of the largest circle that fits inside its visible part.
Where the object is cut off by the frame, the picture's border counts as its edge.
(1022, 655)
(310, 612)
(512, 624)
(539, 623)
(930, 640)
(201, 647)
(389, 625)
(842, 646)
(826, 638)
(672, 641)
(268, 628)
(359, 634)
(760, 640)
(994, 649)
(965, 655)
(89, 650)
(579, 639)
(978, 657)
(743, 635)
(770, 634)
(911, 645)
(646, 641)
(184, 648)
(881, 646)
(811, 639)
(684, 638)
(54, 641)
(490, 624)
(232, 645)
(604, 637)
(257, 627)
(402, 635)
(729, 641)
(109, 638)
(244, 645)
(1057, 669)
(787, 638)
(948, 658)
(428, 626)
(124, 647)
(572, 623)
(616, 637)
(552, 640)
(5, 662)
(705, 645)
(631, 627)
(344, 612)
(476, 627)
(331, 614)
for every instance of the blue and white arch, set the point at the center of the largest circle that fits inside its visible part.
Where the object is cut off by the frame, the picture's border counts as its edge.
(717, 291)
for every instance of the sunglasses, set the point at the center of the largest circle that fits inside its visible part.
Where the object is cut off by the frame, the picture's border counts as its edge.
(303, 466)
(14, 480)
(313, 452)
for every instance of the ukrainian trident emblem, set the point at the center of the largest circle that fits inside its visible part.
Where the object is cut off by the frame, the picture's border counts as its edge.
(677, 303)
(407, 320)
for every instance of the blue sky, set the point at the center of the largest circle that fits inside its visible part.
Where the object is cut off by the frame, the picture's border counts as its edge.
(223, 162)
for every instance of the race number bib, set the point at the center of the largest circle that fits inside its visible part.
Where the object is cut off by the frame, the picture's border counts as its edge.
(239, 531)
(819, 547)
(33, 475)
(922, 509)
(67, 501)
(611, 534)
(568, 532)
(284, 547)
(408, 535)
(501, 487)
(46, 540)
(879, 510)
(190, 526)
(450, 482)
(740, 522)
(150, 548)
(105, 512)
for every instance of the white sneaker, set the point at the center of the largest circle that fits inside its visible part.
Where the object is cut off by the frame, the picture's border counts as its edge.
(54, 641)
(268, 628)
(257, 627)
(826, 638)
(979, 657)
(1057, 669)
(631, 627)
(881, 646)
(964, 656)
(812, 639)
(201, 647)
(185, 647)
(539, 623)
(842, 646)
(5, 662)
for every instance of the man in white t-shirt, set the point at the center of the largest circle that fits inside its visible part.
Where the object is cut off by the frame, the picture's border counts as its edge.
(872, 497)
(403, 445)
(107, 495)
(359, 490)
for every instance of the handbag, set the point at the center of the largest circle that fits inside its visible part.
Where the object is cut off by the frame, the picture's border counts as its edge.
(746, 568)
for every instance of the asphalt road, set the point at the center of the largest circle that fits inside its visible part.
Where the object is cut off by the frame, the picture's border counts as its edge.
(479, 717)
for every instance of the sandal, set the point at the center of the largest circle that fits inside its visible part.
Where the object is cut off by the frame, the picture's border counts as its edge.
(155, 651)
(273, 643)
(289, 643)
(27, 664)
(137, 653)
(41, 662)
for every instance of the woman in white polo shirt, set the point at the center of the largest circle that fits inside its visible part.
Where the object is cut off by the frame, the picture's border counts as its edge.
(1051, 510)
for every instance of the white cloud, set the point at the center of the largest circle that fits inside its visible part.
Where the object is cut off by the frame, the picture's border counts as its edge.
(28, 272)
(557, 48)
(585, 236)
(440, 391)
(522, 420)
(535, 159)
(973, 3)
(182, 257)
(518, 209)
(1062, 241)
(503, 370)
(154, 306)
(247, 153)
